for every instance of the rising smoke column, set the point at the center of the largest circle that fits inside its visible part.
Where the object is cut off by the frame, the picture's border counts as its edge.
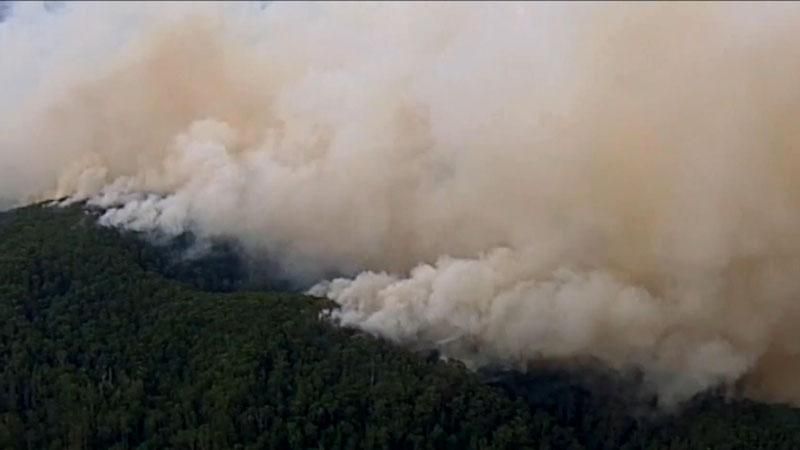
(503, 182)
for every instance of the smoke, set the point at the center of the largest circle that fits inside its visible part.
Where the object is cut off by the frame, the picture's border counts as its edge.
(503, 182)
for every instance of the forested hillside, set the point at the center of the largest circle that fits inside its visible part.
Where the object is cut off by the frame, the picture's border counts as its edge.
(106, 342)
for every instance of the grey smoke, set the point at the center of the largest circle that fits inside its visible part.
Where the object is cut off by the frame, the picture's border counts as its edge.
(504, 182)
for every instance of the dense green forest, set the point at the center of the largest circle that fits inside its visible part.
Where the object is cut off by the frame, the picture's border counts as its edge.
(107, 342)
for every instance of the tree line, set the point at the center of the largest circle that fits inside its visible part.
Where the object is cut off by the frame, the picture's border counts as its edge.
(107, 343)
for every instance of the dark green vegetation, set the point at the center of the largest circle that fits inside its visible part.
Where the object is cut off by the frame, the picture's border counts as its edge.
(106, 343)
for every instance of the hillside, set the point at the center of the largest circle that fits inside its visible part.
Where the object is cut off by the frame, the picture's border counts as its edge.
(105, 342)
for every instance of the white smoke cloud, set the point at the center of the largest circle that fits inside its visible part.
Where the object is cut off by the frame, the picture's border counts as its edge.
(614, 182)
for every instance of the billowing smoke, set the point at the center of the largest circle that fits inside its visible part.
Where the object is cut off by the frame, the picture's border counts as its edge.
(517, 182)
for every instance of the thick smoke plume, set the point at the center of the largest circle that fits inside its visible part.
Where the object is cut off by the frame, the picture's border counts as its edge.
(613, 182)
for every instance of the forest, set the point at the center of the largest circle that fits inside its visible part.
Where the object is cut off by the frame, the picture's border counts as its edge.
(108, 341)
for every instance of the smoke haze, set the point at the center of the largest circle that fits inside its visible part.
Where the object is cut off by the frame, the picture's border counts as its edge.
(502, 182)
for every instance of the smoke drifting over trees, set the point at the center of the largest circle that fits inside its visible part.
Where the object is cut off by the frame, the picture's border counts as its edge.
(502, 182)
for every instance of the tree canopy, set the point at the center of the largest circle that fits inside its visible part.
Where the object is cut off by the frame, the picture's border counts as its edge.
(107, 343)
